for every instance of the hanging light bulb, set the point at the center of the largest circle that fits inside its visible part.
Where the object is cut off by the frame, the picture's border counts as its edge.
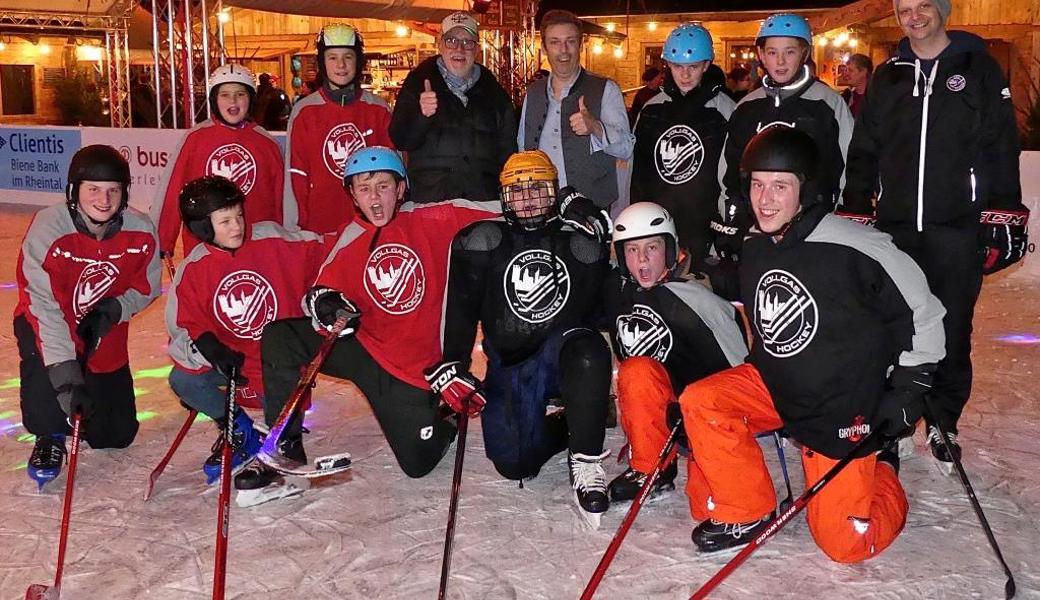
(822, 42)
(401, 31)
(45, 48)
(619, 52)
(597, 48)
(841, 39)
(224, 16)
(652, 26)
(610, 27)
(853, 43)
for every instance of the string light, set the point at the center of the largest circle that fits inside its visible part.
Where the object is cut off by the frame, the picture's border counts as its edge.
(597, 48)
(224, 16)
(618, 52)
(610, 27)
(401, 31)
(652, 26)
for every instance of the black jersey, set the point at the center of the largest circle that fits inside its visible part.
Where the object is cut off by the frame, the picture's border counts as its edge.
(521, 286)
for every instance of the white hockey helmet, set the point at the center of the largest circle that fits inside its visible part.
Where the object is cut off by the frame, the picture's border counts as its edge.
(232, 73)
(641, 220)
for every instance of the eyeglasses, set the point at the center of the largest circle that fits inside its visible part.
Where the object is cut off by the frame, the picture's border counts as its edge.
(453, 43)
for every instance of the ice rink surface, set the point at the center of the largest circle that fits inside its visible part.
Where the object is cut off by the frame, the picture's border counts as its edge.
(374, 533)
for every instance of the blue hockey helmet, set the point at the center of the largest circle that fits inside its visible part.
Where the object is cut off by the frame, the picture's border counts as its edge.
(785, 25)
(688, 43)
(374, 158)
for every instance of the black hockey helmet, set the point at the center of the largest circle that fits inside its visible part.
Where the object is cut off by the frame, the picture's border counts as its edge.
(202, 196)
(97, 163)
(787, 150)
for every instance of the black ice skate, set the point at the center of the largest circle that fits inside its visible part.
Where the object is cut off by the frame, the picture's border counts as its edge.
(625, 487)
(713, 536)
(47, 457)
(942, 457)
(590, 486)
(259, 483)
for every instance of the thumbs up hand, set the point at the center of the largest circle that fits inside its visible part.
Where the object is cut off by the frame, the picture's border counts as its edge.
(584, 122)
(428, 100)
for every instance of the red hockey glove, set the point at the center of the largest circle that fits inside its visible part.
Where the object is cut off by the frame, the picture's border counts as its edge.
(457, 387)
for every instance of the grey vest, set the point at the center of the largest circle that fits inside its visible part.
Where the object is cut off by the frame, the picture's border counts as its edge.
(594, 175)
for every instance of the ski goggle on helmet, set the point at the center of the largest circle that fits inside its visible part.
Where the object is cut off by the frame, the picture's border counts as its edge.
(528, 189)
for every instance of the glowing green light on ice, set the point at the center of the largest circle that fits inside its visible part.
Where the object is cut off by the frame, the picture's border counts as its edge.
(145, 415)
(20, 467)
(138, 392)
(201, 418)
(157, 373)
(7, 414)
(11, 383)
(26, 437)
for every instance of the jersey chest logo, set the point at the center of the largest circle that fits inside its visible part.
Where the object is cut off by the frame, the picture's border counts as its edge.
(644, 333)
(395, 279)
(245, 303)
(342, 141)
(678, 154)
(786, 315)
(94, 281)
(233, 162)
(536, 289)
(956, 83)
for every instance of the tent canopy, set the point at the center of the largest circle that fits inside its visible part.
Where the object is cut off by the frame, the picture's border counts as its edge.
(426, 11)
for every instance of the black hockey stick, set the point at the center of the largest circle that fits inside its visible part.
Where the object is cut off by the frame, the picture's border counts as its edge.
(453, 506)
(782, 519)
(630, 517)
(786, 502)
(1009, 585)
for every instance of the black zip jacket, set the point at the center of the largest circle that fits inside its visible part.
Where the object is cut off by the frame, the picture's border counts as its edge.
(936, 139)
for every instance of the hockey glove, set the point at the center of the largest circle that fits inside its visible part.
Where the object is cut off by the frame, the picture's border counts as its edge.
(730, 230)
(98, 322)
(221, 357)
(903, 402)
(1004, 238)
(457, 387)
(583, 215)
(325, 305)
(67, 379)
(868, 220)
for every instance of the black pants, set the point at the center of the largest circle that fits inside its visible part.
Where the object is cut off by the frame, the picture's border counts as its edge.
(950, 259)
(114, 421)
(518, 436)
(407, 415)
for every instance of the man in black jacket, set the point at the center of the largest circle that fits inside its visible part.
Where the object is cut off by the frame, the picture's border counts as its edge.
(936, 143)
(454, 120)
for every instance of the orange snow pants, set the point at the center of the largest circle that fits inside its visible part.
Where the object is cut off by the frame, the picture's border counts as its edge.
(853, 518)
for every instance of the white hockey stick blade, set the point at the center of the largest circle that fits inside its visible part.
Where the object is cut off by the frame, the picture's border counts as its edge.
(276, 491)
(323, 465)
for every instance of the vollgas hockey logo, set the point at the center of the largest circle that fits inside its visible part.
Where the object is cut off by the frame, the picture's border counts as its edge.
(643, 333)
(244, 303)
(395, 279)
(233, 162)
(342, 141)
(536, 289)
(94, 281)
(786, 315)
(678, 154)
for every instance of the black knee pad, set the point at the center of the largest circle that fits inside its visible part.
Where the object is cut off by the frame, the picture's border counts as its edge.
(515, 471)
(584, 353)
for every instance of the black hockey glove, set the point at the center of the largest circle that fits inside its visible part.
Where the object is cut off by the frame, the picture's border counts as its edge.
(1004, 238)
(98, 322)
(221, 357)
(325, 305)
(67, 379)
(730, 230)
(903, 402)
(583, 215)
(457, 387)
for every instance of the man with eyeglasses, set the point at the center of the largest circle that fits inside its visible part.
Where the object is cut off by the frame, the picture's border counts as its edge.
(576, 117)
(454, 120)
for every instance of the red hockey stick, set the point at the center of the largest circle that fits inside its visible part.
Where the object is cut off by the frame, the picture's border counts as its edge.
(158, 470)
(40, 591)
(224, 503)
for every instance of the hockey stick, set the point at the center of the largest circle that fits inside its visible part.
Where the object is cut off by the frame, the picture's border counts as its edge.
(325, 465)
(637, 503)
(224, 502)
(786, 502)
(158, 470)
(782, 519)
(1009, 585)
(453, 506)
(39, 591)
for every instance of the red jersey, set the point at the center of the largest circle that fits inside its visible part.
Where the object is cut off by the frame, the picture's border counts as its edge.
(322, 134)
(63, 272)
(399, 285)
(236, 294)
(247, 155)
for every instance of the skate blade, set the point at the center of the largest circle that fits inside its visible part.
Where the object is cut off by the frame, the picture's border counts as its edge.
(39, 591)
(589, 521)
(275, 491)
(946, 468)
